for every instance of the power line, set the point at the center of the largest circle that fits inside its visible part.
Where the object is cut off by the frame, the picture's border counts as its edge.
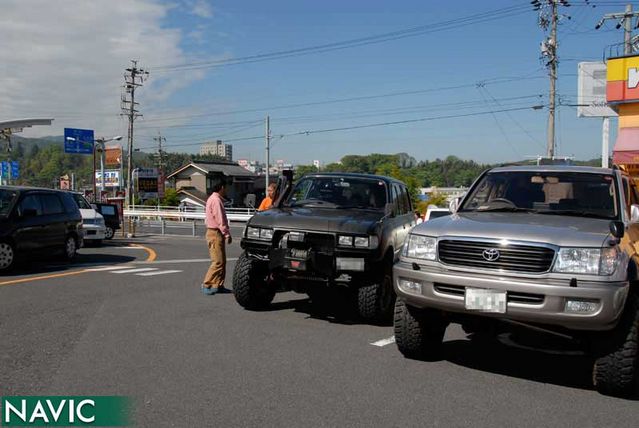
(491, 81)
(372, 125)
(487, 16)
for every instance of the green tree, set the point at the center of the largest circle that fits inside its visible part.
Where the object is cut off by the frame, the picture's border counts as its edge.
(170, 198)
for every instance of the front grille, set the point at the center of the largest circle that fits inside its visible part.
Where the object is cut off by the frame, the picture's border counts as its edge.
(323, 243)
(511, 296)
(512, 258)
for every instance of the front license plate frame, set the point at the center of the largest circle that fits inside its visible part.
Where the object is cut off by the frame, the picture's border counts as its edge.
(485, 300)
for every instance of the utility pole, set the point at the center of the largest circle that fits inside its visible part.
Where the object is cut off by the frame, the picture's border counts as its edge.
(268, 150)
(623, 19)
(160, 155)
(548, 19)
(133, 78)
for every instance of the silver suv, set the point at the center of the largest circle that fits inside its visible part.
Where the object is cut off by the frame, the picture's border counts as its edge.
(547, 248)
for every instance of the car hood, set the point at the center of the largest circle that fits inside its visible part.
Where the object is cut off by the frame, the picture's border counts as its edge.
(90, 214)
(565, 231)
(318, 219)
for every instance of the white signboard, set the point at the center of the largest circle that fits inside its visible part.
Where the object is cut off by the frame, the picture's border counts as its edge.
(146, 173)
(591, 97)
(111, 178)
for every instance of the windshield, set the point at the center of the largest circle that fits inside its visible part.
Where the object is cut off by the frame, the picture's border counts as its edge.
(6, 200)
(82, 203)
(554, 193)
(339, 192)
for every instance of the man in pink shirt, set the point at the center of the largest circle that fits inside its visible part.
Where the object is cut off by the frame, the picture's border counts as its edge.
(218, 234)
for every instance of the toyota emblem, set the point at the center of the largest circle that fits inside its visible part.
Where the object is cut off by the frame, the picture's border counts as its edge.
(491, 254)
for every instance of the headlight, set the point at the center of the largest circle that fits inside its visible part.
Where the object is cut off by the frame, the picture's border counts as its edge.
(589, 261)
(259, 233)
(345, 241)
(361, 241)
(295, 236)
(253, 232)
(266, 234)
(420, 247)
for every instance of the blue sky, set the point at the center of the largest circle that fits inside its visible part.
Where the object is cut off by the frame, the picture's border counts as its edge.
(195, 106)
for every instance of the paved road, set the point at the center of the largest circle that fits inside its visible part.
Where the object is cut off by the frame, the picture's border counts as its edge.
(143, 329)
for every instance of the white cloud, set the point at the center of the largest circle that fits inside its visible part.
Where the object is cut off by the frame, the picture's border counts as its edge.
(201, 8)
(66, 60)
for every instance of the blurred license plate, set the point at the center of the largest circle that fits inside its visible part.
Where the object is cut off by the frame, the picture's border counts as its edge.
(479, 299)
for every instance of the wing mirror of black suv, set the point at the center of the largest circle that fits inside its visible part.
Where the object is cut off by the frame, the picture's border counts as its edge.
(617, 229)
(28, 212)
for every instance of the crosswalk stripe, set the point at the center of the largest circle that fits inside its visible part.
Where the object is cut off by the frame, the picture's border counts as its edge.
(101, 269)
(133, 270)
(162, 272)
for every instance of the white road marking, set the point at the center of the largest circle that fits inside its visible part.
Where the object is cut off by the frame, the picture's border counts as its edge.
(384, 342)
(133, 270)
(161, 272)
(180, 261)
(100, 269)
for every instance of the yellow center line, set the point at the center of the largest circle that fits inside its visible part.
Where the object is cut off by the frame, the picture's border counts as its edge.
(152, 255)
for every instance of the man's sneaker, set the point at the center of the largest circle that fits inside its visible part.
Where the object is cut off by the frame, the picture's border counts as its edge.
(223, 290)
(208, 291)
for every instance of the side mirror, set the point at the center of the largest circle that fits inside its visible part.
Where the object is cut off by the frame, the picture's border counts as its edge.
(389, 210)
(454, 205)
(28, 212)
(617, 228)
(634, 214)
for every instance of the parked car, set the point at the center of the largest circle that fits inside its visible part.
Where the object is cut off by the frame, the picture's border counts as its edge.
(433, 213)
(328, 232)
(92, 221)
(111, 218)
(547, 248)
(36, 222)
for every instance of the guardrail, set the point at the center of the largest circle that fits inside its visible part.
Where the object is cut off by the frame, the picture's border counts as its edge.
(182, 214)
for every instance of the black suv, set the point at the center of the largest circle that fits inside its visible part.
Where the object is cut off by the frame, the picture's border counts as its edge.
(35, 221)
(328, 232)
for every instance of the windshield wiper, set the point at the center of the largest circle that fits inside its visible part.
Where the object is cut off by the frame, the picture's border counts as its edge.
(576, 213)
(312, 201)
(503, 209)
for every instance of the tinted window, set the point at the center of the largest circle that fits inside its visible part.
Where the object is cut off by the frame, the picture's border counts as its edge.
(406, 201)
(83, 204)
(6, 200)
(437, 214)
(69, 203)
(107, 210)
(51, 204)
(339, 192)
(31, 202)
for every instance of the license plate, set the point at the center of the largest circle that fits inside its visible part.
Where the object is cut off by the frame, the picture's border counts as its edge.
(479, 299)
(294, 253)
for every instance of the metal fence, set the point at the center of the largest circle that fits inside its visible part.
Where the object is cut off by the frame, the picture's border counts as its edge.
(160, 213)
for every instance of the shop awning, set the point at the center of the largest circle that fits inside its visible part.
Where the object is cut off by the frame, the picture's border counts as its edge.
(626, 149)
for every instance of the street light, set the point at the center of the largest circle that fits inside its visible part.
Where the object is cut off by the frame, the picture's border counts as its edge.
(100, 142)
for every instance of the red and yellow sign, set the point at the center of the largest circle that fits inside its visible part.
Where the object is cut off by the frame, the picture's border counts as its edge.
(623, 80)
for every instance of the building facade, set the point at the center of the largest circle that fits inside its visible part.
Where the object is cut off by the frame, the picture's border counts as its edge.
(218, 148)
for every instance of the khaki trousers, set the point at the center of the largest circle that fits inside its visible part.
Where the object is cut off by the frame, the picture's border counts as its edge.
(217, 251)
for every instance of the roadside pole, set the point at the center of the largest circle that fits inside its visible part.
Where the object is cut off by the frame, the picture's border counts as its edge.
(605, 143)
(268, 150)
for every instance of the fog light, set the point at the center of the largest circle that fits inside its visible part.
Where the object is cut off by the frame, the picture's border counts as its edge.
(581, 306)
(350, 264)
(409, 286)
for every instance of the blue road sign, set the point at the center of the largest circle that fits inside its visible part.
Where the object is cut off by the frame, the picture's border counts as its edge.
(15, 169)
(78, 141)
(4, 169)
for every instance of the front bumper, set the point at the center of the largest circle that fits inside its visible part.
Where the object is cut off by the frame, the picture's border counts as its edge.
(93, 232)
(532, 300)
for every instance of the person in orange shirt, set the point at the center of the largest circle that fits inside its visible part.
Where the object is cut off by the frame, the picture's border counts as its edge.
(267, 202)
